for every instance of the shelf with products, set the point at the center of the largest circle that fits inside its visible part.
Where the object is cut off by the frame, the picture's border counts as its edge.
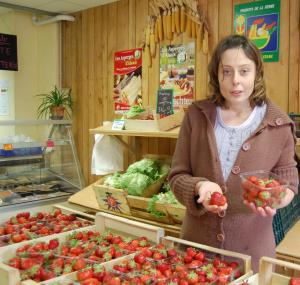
(107, 130)
(38, 163)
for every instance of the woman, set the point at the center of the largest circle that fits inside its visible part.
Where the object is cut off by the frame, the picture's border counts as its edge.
(238, 129)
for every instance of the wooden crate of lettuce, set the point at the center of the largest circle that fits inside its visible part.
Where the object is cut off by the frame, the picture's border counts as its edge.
(142, 178)
(162, 207)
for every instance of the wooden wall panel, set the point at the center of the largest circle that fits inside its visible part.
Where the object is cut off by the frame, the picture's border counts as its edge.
(294, 42)
(88, 47)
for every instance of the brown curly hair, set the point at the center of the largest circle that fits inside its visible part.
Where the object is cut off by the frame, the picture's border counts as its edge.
(258, 97)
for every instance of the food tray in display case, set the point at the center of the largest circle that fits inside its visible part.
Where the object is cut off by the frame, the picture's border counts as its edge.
(43, 169)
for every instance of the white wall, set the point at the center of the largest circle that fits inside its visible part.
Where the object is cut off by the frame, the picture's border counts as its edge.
(38, 63)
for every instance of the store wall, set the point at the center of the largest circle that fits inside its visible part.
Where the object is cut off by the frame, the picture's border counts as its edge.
(7, 78)
(38, 64)
(90, 42)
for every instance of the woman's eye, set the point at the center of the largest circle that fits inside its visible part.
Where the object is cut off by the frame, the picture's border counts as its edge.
(226, 72)
(244, 71)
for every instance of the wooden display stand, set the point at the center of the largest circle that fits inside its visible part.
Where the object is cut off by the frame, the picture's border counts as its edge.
(174, 214)
(178, 244)
(103, 221)
(289, 249)
(115, 200)
(85, 201)
(267, 275)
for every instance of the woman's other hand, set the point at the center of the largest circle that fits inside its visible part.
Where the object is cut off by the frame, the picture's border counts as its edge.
(204, 189)
(268, 211)
(264, 212)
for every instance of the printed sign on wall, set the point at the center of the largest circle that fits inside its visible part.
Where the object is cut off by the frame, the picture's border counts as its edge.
(127, 79)
(260, 22)
(177, 72)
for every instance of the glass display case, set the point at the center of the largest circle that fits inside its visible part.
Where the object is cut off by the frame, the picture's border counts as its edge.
(38, 163)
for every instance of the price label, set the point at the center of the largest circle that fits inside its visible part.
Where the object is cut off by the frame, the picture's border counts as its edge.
(118, 125)
(164, 102)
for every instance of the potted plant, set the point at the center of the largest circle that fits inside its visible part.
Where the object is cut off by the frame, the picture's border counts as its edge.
(55, 104)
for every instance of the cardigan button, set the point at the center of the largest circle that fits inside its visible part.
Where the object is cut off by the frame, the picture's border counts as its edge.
(222, 214)
(220, 237)
(278, 121)
(246, 146)
(224, 189)
(236, 169)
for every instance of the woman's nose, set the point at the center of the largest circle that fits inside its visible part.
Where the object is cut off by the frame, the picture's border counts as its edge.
(236, 78)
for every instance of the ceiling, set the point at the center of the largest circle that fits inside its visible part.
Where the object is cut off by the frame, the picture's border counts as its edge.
(55, 6)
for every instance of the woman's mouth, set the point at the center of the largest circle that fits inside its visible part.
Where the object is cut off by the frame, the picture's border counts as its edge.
(236, 93)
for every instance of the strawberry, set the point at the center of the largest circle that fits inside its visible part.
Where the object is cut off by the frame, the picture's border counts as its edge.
(139, 258)
(295, 281)
(217, 199)
(79, 264)
(99, 272)
(54, 243)
(91, 281)
(192, 278)
(85, 274)
(15, 262)
(171, 252)
(18, 238)
(199, 256)
(264, 195)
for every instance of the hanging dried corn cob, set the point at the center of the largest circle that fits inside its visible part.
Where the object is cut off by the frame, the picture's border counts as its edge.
(164, 21)
(177, 19)
(205, 41)
(156, 36)
(182, 19)
(199, 36)
(160, 28)
(188, 29)
(177, 16)
(169, 25)
(148, 56)
(152, 37)
(173, 20)
(193, 24)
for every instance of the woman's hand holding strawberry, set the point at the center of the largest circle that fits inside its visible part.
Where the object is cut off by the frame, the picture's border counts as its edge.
(211, 196)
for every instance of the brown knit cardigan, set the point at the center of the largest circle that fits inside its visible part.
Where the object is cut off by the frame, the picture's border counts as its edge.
(270, 147)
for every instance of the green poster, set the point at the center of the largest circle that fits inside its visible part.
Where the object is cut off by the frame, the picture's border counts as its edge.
(260, 22)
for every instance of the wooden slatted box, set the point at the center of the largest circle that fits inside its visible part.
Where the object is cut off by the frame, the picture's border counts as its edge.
(103, 222)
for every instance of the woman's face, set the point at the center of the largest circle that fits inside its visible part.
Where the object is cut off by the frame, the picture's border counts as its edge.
(236, 76)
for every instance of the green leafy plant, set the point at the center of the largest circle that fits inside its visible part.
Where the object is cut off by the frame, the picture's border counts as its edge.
(55, 100)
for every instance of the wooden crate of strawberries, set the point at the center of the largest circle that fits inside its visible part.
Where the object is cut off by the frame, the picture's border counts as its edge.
(110, 238)
(269, 276)
(173, 261)
(27, 225)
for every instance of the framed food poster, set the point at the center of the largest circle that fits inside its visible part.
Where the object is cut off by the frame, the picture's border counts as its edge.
(260, 22)
(177, 72)
(127, 79)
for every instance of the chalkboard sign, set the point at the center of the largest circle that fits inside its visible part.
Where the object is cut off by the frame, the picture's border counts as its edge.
(8, 52)
(164, 102)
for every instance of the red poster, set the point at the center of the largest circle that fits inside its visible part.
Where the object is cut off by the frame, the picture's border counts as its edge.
(127, 79)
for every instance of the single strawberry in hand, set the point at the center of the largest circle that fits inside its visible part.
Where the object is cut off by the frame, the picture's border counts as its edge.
(217, 199)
